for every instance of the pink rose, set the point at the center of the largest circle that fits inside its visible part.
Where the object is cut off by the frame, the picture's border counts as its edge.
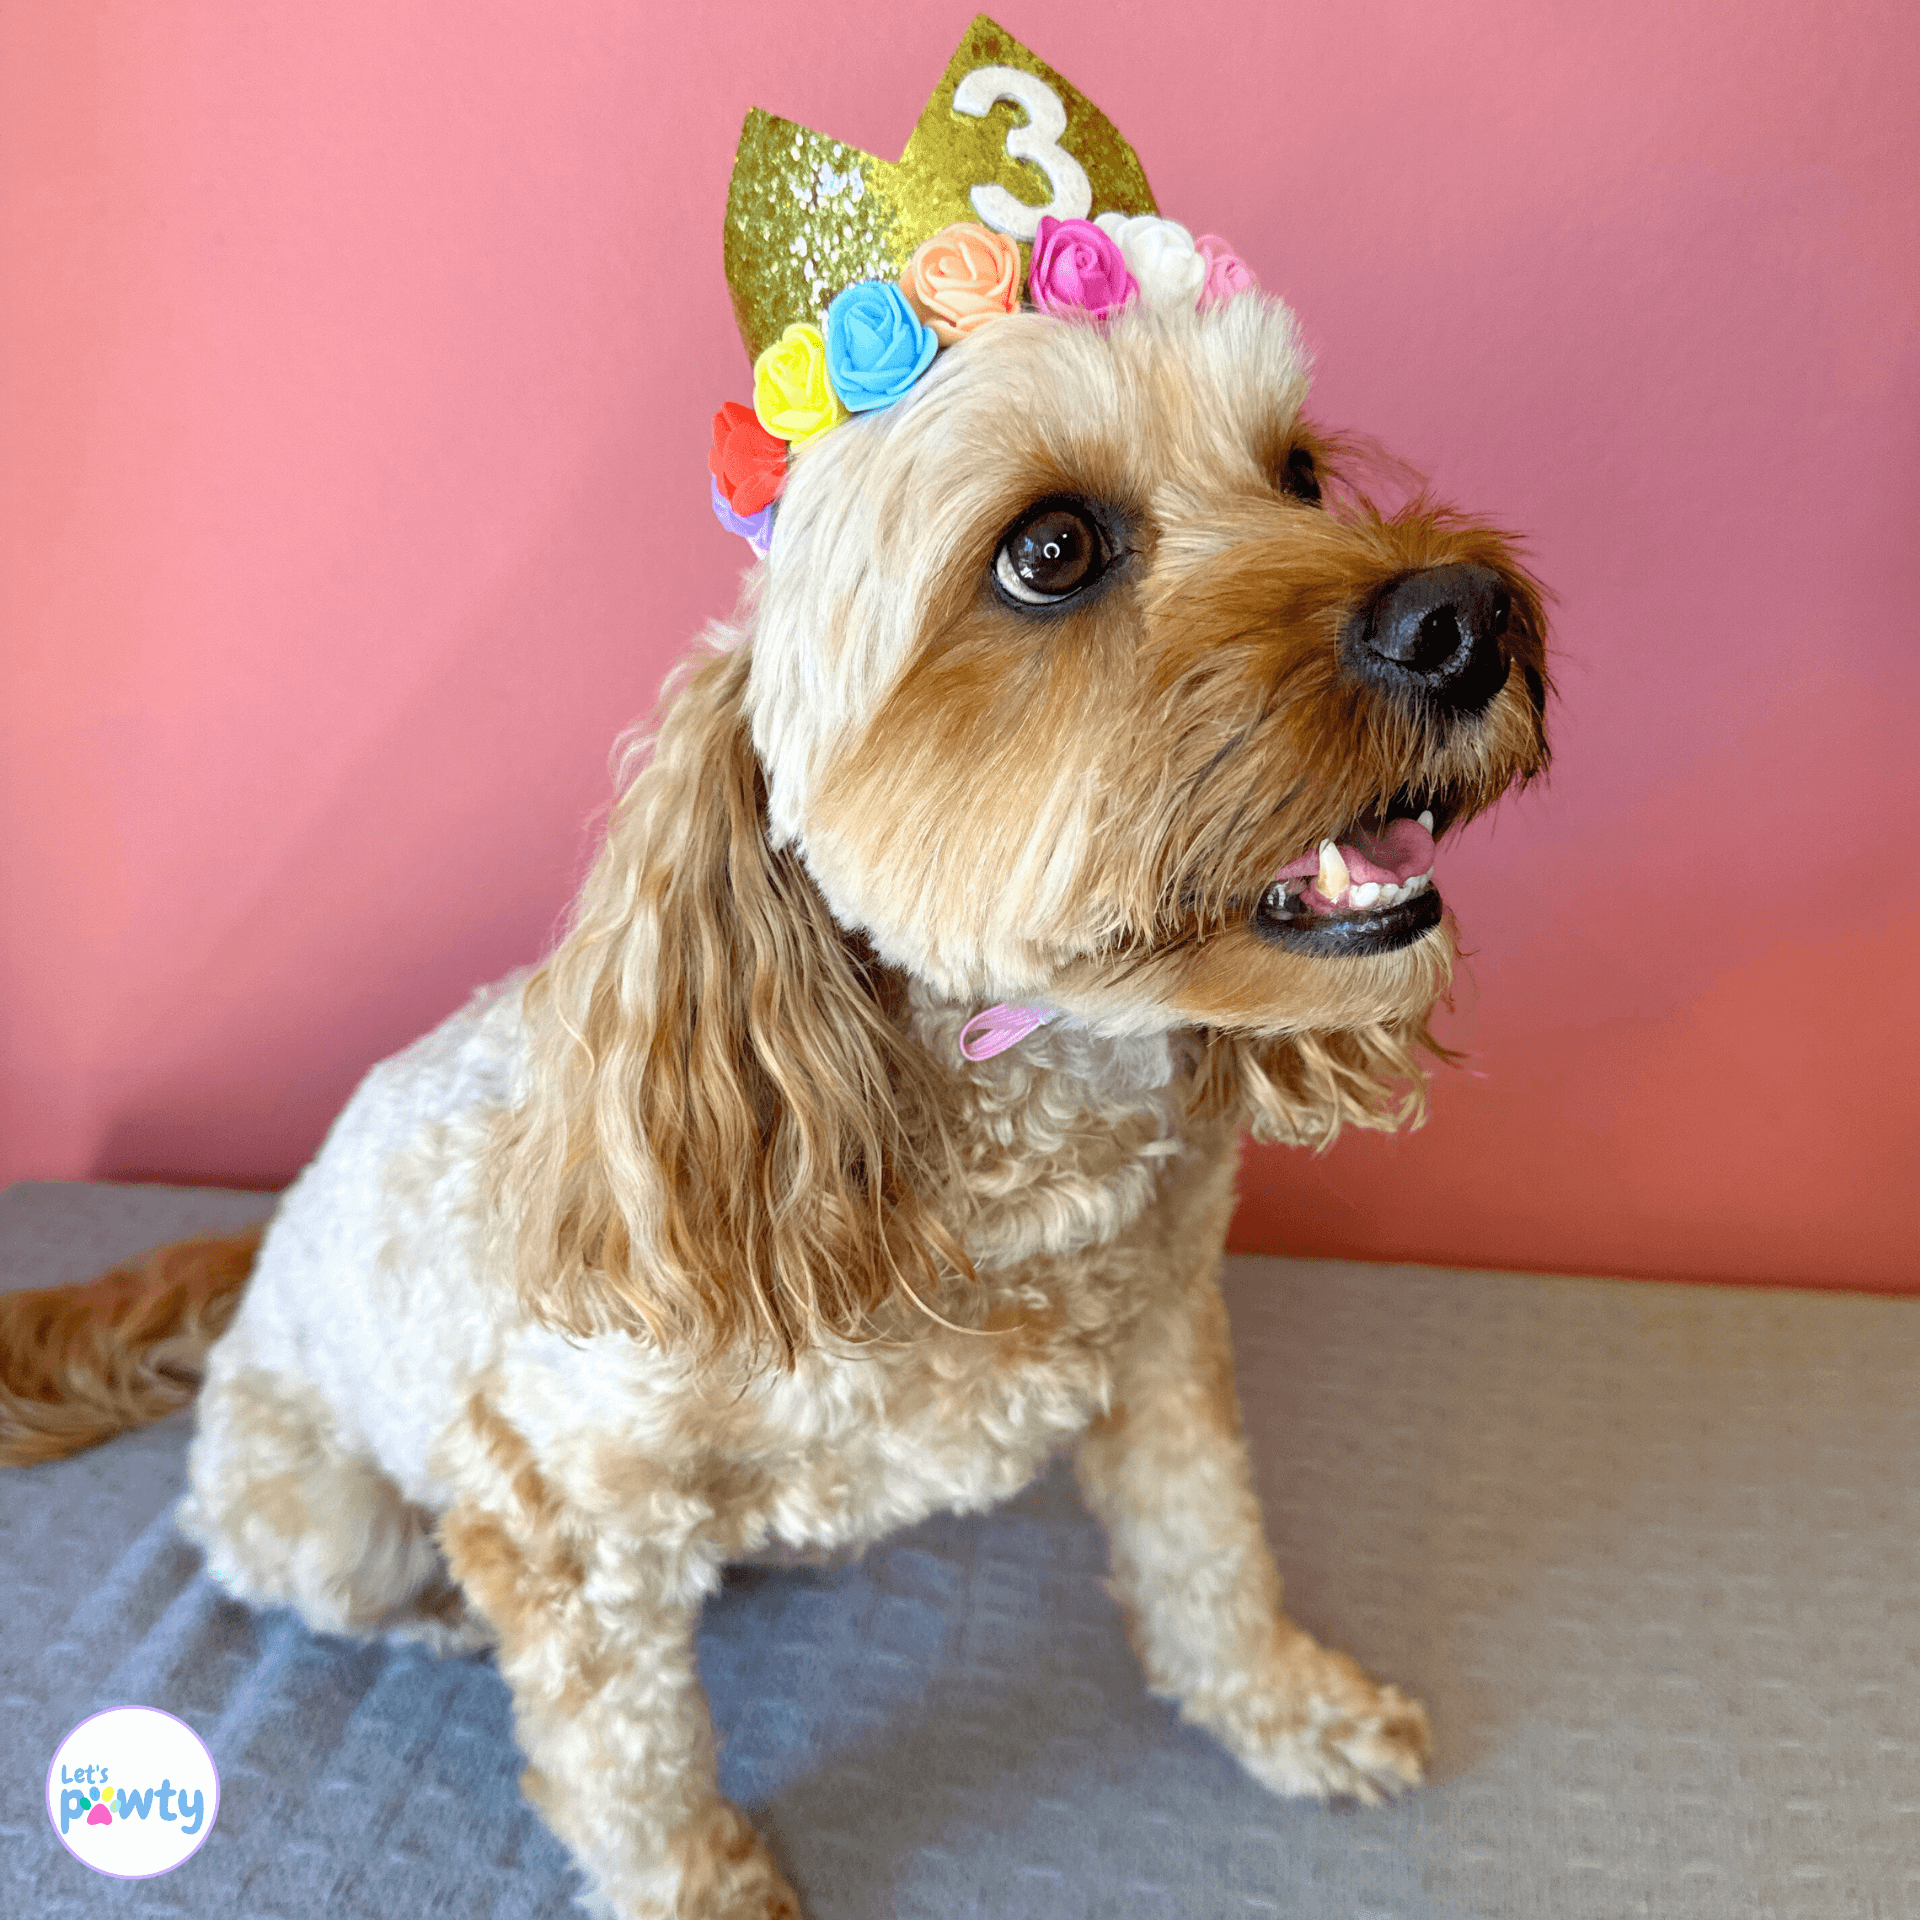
(1227, 273)
(1076, 267)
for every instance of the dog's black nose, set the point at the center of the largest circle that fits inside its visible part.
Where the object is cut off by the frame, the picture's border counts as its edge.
(1437, 636)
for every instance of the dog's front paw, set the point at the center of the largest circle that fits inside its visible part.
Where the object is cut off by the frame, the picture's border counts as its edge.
(720, 1870)
(730, 1875)
(1315, 1725)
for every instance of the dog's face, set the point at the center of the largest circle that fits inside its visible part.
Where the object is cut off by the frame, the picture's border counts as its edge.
(1066, 669)
(1065, 684)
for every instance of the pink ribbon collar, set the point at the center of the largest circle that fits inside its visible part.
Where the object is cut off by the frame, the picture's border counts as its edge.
(999, 1028)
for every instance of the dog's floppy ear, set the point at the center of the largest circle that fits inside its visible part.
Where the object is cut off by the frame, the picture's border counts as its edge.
(1301, 1089)
(723, 1137)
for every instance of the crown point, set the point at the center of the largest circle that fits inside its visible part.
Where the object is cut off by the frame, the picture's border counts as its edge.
(1005, 140)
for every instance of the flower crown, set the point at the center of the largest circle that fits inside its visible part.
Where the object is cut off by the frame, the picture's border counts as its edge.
(807, 217)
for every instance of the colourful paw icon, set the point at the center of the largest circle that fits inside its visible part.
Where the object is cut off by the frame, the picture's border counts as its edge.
(99, 1817)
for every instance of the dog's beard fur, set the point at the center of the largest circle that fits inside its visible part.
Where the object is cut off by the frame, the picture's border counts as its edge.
(895, 776)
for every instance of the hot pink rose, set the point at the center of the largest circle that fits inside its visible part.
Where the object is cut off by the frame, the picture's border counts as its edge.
(1227, 273)
(1077, 268)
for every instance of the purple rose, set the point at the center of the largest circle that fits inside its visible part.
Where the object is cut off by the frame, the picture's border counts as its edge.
(1077, 268)
(756, 529)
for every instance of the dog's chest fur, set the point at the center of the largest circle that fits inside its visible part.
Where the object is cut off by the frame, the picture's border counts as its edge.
(1080, 1184)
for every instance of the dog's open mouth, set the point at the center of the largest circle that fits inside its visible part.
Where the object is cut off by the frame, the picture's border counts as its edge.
(1368, 891)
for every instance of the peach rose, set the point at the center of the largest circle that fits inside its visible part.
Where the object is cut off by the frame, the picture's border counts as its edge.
(963, 277)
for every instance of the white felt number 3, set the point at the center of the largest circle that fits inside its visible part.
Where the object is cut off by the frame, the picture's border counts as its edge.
(1038, 142)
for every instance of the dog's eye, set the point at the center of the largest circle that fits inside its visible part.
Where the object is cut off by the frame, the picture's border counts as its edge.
(1050, 555)
(1299, 476)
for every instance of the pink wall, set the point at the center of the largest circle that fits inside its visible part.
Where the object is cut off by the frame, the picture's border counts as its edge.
(356, 365)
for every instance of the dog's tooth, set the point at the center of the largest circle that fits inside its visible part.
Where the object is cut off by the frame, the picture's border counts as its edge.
(1333, 877)
(1364, 895)
(1426, 820)
(1391, 896)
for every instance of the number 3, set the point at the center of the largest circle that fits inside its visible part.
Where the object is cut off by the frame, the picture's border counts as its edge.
(1038, 142)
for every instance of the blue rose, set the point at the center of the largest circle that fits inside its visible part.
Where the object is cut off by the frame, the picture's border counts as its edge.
(876, 346)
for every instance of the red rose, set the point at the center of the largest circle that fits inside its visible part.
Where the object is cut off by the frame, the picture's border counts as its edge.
(747, 463)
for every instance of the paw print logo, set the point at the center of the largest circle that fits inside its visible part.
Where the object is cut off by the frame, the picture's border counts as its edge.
(132, 1792)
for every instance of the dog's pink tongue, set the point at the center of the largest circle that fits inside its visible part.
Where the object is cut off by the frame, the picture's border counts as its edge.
(1391, 858)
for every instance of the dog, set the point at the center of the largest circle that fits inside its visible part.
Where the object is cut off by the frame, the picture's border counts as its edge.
(1076, 683)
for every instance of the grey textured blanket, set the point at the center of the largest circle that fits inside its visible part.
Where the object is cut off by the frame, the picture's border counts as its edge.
(1651, 1555)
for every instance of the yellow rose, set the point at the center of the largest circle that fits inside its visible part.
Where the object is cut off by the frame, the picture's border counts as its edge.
(791, 392)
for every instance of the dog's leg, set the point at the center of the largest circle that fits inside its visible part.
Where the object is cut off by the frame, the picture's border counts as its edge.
(1167, 1473)
(597, 1643)
(288, 1516)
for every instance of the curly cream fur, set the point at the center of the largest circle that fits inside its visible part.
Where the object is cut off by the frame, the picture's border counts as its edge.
(705, 1242)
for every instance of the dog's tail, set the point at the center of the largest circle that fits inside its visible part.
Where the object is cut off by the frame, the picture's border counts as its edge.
(80, 1364)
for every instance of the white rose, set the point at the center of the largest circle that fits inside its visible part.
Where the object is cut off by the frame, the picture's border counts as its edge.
(1160, 254)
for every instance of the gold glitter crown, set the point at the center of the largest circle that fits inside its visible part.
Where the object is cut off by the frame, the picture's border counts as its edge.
(807, 216)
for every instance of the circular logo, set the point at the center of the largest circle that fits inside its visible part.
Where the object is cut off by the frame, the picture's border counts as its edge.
(132, 1792)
